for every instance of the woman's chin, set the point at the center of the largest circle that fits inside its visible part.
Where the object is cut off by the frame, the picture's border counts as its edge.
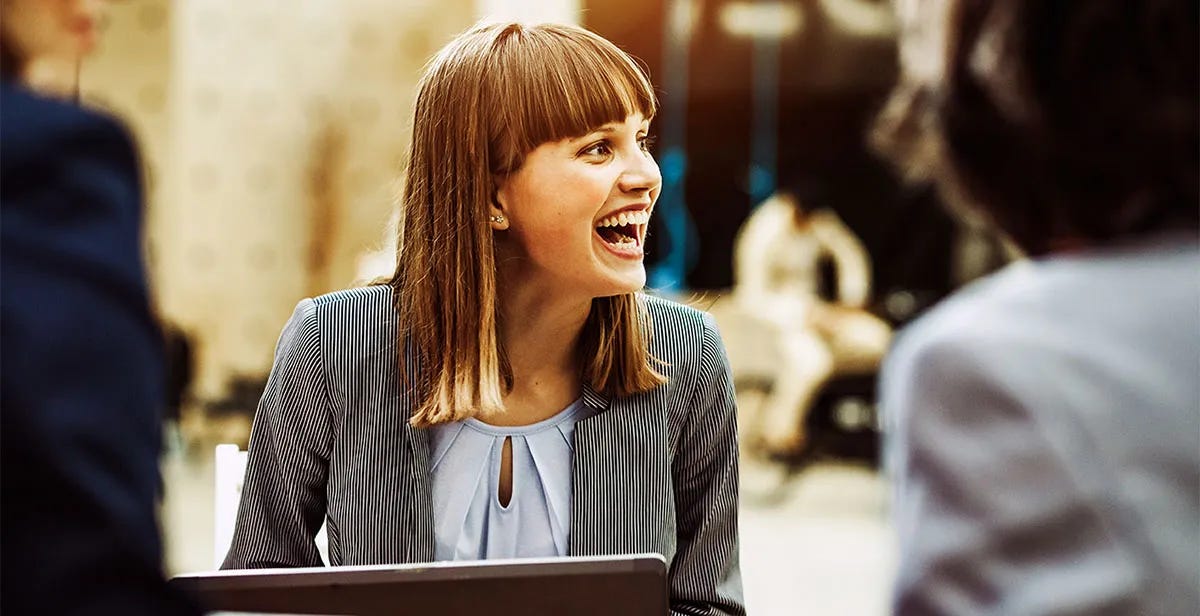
(630, 279)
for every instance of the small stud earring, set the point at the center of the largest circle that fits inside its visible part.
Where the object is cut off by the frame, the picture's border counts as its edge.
(497, 219)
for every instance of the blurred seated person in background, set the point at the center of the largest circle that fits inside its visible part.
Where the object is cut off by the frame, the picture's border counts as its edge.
(509, 392)
(778, 257)
(81, 390)
(1043, 425)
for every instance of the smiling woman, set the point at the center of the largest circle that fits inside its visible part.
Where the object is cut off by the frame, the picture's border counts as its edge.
(586, 244)
(544, 128)
(509, 392)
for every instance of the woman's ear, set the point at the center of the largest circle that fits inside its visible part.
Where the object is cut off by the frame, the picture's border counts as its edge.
(497, 210)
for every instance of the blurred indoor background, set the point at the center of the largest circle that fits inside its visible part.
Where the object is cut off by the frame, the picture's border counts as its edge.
(274, 133)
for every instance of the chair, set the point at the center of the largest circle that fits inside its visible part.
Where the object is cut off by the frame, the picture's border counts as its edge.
(227, 484)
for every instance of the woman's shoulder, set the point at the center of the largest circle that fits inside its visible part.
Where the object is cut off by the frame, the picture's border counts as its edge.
(361, 317)
(679, 333)
(369, 297)
(671, 314)
(42, 136)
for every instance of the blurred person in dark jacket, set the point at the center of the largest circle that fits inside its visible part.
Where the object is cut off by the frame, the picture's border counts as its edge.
(81, 386)
(1044, 423)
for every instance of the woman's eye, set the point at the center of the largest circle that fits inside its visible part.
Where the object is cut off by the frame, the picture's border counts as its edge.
(646, 143)
(601, 148)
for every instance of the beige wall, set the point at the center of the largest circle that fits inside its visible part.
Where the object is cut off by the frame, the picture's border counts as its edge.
(272, 133)
(533, 11)
(129, 75)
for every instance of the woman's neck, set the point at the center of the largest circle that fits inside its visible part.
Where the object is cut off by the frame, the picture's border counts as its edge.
(540, 330)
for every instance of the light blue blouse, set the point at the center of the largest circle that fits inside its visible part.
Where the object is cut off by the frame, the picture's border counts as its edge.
(469, 522)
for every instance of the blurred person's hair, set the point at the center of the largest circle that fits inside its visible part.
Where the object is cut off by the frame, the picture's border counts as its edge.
(486, 100)
(12, 62)
(10, 66)
(1063, 123)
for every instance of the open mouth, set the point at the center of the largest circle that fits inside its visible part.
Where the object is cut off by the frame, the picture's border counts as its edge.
(625, 230)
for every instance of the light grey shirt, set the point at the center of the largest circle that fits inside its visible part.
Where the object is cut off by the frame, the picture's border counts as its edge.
(470, 523)
(1044, 438)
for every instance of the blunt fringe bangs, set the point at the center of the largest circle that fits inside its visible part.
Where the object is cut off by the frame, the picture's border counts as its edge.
(557, 82)
(491, 96)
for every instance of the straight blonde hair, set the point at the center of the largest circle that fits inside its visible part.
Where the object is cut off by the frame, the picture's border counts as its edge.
(486, 100)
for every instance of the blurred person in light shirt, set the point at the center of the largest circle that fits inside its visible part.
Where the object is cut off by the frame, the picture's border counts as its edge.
(777, 261)
(1043, 424)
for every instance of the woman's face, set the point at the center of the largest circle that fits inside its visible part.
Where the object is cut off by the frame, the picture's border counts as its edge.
(578, 210)
(66, 28)
(51, 36)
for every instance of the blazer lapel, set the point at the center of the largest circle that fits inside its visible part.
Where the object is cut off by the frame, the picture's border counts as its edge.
(421, 532)
(420, 540)
(621, 501)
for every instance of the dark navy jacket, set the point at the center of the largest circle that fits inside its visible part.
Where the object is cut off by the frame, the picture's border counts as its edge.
(81, 368)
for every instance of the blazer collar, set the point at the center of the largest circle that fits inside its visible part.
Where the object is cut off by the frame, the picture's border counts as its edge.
(594, 399)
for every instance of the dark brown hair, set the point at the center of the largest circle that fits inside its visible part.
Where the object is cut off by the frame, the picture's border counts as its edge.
(1061, 122)
(11, 64)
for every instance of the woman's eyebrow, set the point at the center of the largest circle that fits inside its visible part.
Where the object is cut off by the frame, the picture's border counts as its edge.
(610, 128)
(605, 130)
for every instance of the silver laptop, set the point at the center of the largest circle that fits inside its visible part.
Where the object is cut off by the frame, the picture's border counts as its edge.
(632, 585)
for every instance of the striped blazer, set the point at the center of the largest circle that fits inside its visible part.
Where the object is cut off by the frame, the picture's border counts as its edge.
(331, 442)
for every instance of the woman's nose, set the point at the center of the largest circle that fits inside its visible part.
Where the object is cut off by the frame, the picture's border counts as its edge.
(641, 175)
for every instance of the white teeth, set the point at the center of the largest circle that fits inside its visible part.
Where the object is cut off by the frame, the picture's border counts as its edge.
(626, 218)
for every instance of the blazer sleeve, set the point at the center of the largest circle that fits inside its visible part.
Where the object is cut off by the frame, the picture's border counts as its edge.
(991, 517)
(283, 496)
(705, 577)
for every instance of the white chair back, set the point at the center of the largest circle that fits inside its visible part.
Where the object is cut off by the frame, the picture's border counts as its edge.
(230, 472)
